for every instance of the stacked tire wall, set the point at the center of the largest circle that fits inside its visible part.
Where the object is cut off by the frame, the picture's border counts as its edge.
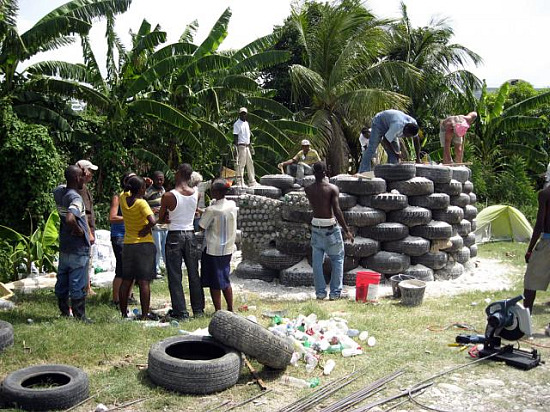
(411, 219)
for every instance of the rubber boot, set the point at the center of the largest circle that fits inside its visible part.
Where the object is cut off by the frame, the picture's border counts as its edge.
(79, 310)
(63, 304)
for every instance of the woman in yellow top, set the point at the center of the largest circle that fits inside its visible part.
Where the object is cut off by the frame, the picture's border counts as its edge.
(138, 251)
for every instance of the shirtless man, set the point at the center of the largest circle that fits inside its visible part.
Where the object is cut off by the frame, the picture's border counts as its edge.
(326, 235)
(537, 275)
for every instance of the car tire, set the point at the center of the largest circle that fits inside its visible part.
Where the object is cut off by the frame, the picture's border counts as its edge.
(462, 255)
(432, 202)
(6, 335)
(460, 200)
(457, 243)
(452, 215)
(347, 201)
(253, 270)
(360, 186)
(274, 259)
(435, 230)
(469, 239)
(389, 201)
(391, 172)
(388, 263)
(266, 191)
(453, 188)
(361, 216)
(416, 186)
(436, 173)
(411, 216)
(467, 187)
(301, 274)
(361, 247)
(385, 232)
(420, 272)
(473, 251)
(411, 245)
(460, 173)
(433, 260)
(463, 227)
(470, 212)
(473, 198)
(282, 182)
(452, 270)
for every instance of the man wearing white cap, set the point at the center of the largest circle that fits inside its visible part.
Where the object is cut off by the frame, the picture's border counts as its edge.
(304, 160)
(88, 168)
(241, 134)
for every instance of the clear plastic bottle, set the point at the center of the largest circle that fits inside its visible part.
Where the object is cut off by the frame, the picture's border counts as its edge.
(296, 382)
(329, 366)
(311, 362)
(346, 353)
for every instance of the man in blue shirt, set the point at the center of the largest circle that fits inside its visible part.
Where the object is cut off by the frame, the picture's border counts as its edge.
(74, 245)
(387, 127)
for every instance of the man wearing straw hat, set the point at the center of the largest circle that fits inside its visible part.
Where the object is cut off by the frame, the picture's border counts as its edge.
(241, 134)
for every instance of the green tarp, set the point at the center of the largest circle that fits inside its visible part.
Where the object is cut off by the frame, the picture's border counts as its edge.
(502, 222)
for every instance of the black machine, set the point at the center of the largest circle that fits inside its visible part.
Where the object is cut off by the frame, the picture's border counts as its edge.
(506, 319)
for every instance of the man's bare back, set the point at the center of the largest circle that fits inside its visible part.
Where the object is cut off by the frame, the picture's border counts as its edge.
(321, 196)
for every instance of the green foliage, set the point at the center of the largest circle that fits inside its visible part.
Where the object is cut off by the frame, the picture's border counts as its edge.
(31, 168)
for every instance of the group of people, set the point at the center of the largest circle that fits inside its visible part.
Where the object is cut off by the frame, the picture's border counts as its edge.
(134, 226)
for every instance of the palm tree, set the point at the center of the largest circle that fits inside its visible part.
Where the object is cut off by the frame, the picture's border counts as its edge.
(345, 78)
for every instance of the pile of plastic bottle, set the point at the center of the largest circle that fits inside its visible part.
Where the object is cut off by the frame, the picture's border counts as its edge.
(312, 338)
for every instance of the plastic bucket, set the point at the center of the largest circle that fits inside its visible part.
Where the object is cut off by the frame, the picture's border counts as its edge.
(412, 292)
(395, 280)
(366, 286)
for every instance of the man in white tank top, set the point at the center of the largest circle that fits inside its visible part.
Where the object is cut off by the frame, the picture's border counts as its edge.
(178, 208)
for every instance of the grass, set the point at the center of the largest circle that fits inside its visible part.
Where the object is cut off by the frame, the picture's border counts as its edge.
(114, 352)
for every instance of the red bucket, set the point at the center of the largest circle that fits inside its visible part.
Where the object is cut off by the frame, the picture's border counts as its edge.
(366, 286)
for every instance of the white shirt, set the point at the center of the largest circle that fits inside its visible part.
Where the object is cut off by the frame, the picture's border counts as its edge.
(242, 130)
(363, 141)
(219, 220)
(181, 218)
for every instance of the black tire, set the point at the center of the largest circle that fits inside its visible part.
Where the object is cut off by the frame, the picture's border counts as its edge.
(251, 338)
(420, 272)
(474, 225)
(469, 239)
(292, 214)
(45, 387)
(385, 232)
(457, 243)
(301, 274)
(467, 187)
(433, 260)
(452, 215)
(435, 230)
(473, 198)
(388, 263)
(308, 181)
(253, 270)
(283, 182)
(193, 364)
(360, 186)
(411, 216)
(411, 245)
(452, 270)
(460, 173)
(470, 212)
(473, 251)
(436, 173)
(266, 191)
(293, 247)
(346, 201)
(365, 200)
(6, 335)
(432, 202)
(460, 200)
(453, 188)
(274, 259)
(389, 201)
(361, 247)
(463, 227)
(390, 172)
(417, 186)
(361, 216)
(462, 255)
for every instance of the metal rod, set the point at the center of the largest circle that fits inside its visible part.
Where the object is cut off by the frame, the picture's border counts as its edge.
(248, 400)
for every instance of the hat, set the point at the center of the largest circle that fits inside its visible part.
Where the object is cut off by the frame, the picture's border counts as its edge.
(243, 109)
(86, 164)
(305, 142)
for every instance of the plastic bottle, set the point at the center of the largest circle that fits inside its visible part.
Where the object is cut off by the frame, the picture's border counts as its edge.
(329, 366)
(295, 358)
(313, 382)
(371, 341)
(296, 382)
(353, 332)
(346, 353)
(311, 362)
(334, 348)
(364, 335)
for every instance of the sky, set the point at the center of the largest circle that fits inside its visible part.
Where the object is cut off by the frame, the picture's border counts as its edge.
(510, 35)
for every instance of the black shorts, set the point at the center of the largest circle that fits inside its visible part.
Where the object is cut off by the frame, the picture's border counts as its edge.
(138, 261)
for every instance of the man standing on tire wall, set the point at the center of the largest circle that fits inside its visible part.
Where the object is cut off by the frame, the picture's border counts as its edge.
(74, 245)
(241, 134)
(178, 208)
(326, 235)
(387, 127)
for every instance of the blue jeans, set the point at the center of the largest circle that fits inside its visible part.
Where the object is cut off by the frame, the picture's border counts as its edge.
(328, 241)
(180, 247)
(376, 136)
(72, 275)
(159, 237)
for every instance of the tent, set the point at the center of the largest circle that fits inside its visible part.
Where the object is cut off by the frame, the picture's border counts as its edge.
(502, 222)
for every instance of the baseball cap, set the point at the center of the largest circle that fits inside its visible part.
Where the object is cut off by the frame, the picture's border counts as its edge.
(305, 142)
(243, 109)
(86, 164)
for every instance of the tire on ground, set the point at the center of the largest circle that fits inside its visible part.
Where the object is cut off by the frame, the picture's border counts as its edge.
(193, 364)
(253, 270)
(387, 262)
(467, 187)
(385, 232)
(435, 230)
(360, 186)
(411, 216)
(251, 338)
(452, 270)
(473, 251)
(361, 216)
(361, 247)
(416, 186)
(453, 188)
(432, 202)
(346, 201)
(6, 335)
(457, 243)
(274, 259)
(45, 387)
(462, 255)
(451, 215)
(460, 173)
(460, 200)
(420, 272)
(470, 212)
(266, 191)
(436, 173)
(390, 172)
(282, 182)
(293, 247)
(411, 245)
(301, 274)
(463, 227)
(433, 260)
(389, 201)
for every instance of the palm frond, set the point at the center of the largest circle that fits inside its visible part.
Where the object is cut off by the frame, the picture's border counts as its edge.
(217, 35)
(189, 32)
(42, 114)
(240, 82)
(56, 68)
(203, 65)
(163, 112)
(528, 104)
(270, 106)
(175, 49)
(88, 10)
(154, 161)
(305, 81)
(69, 89)
(210, 131)
(294, 127)
(257, 46)
(261, 61)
